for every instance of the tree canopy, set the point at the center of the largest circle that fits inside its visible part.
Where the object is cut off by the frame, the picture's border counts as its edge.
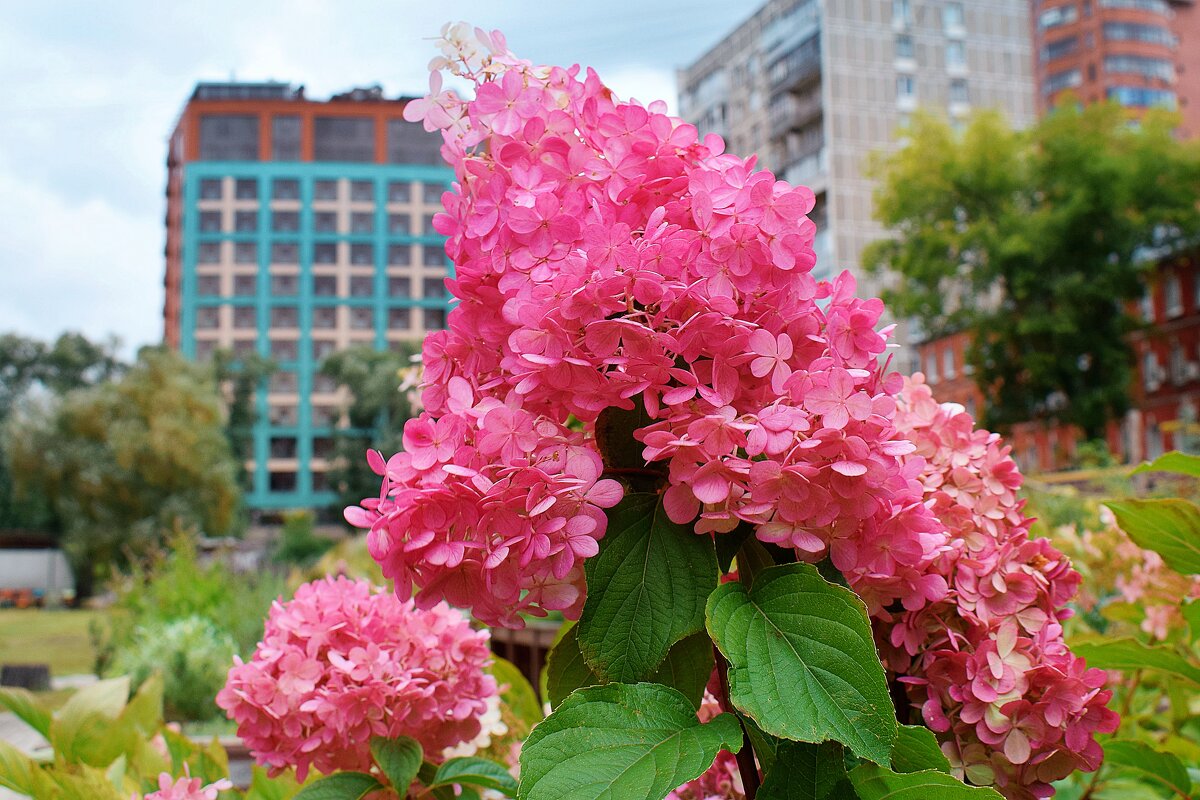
(1032, 241)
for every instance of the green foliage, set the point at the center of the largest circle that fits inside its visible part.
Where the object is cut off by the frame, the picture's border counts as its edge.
(621, 740)
(916, 749)
(805, 771)
(1159, 768)
(873, 782)
(1032, 241)
(802, 662)
(299, 544)
(475, 772)
(340, 786)
(377, 413)
(1130, 655)
(1175, 461)
(192, 654)
(398, 759)
(656, 577)
(126, 461)
(1170, 528)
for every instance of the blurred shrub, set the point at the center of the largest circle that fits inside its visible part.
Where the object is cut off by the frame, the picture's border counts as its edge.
(193, 656)
(299, 544)
(348, 557)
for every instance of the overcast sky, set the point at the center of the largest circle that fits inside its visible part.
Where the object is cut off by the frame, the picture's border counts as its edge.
(91, 90)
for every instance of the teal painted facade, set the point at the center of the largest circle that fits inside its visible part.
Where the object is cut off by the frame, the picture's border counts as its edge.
(260, 494)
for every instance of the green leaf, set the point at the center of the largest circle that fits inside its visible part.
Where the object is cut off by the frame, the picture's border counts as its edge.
(519, 696)
(340, 786)
(688, 667)
(399, 759)
(1191, 614)
(805, 771)
(21, 774)
(802, 661)
(1174, 461)
(917, 749)
(1162, 769)
(28, 708)
(1170, 528)
(650, 580)
(478, 772)
(1130, 654)
(566, 670)
(85, 731)
(281, 787)
(873, 782)
(145, 709)
(621, 741)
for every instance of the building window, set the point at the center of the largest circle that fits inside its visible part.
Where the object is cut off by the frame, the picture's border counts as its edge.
(399, 192)
(427, 225)
(399, 287)
(210, 221)
(362, 319)
(324, 416)
(901, 12)
(282, 481)
(1179, 374)
(362, 222)
(244, 317)
(285, 285)
(283, 447)
(325, 190)
(324, 286)
(244, 347)
(344, 139)
(410, 143)
(362, 286)
(1141, 97)
(207, 318)
(245, 252)
(1065, 79)
(322, 348)
(1059, 48)
(282, 416)
(435, 288)
(1159, 68)
(322, 447)
(325, 222)
(284, 350)
(431, 194)
(285, 138)
(1157, 6)
(1147, 304)
(948, 363)
(285, 222)
(285, 253)
(211, 189)
(906, 87)
(205, 349)
(320, 480)
(931, 367)
(228, 137)
(435, 319)
(283, 381)
(285, 317)
(959, 92)
(1132, 32)
(1059, 15)
(952, 17)
(433, 257)
(362, 192)
(324, 253)
(362, 254)
(399, 224)
(285, 189)
(956, 54)
(245, 189)
(1173, 296)
(324, 318)
(323, 384)
(208, 285)
(245, 221)
(904, 46)
(399, 255)
(209, 253)
(399, 319)
(245, 285)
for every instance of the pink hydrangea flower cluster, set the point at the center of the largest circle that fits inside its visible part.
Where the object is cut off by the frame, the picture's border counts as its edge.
(987, 665)
(344, 661)
(186, 788)
(606, 257)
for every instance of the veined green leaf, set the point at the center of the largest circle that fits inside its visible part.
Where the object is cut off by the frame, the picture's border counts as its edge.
(399, 759)
(1130, 654)
(1175, 461)
(873, 782)
(1170, 528)
(1161, 769)
(340, 786)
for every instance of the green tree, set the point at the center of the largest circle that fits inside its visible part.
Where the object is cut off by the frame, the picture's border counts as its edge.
(30, 366)
(124, 462)
(376, 415)
(1032, 242)
(241, 377)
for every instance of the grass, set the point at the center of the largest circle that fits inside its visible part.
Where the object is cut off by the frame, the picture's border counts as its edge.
(38, 636)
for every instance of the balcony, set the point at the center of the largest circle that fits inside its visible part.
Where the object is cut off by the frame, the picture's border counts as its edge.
(797, 68)
(791, 112)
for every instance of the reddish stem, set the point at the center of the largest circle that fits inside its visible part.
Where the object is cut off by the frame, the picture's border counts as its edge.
(745, 757)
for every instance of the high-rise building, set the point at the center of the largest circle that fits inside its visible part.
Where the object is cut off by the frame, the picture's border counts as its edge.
(296, 228)
(814, 87)
(1139, 53)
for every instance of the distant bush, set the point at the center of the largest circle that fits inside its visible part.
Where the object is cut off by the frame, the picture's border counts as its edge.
(193, 656)
(299, 544)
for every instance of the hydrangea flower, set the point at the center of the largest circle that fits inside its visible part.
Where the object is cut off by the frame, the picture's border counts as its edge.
(186, 788)
(344, 661)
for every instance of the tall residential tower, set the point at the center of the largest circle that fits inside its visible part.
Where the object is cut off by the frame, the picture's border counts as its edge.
(296, 228)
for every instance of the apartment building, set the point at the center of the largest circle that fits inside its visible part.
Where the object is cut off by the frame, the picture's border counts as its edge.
(297, 228)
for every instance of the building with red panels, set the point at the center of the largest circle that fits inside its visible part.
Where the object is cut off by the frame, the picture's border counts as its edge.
(297, 228)
(1139, 53)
